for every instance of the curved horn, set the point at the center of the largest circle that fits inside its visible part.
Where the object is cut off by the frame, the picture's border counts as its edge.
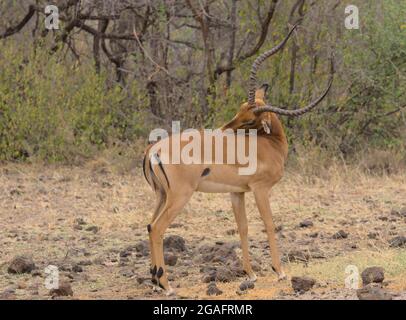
(299, 112)
(257, 63)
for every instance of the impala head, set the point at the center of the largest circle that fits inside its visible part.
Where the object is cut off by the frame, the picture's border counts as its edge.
(247, 119)
(256, 114)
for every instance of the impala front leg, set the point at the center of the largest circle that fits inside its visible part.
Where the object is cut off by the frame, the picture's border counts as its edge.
(238, 203)
(261, 198)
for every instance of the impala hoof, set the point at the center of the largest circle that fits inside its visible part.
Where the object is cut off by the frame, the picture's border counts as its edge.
(170, 292)
(253, 277)
(282, 276)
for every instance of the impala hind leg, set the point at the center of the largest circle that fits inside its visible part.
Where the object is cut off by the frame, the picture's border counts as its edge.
(261, 198)
(238, 203)
(160, 201)
(171, 209)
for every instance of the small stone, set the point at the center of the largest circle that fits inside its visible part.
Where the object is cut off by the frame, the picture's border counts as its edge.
(298, 256)
(64, 290)
(36, 273)
(373, 235)
(398, 242)
(340, 235)
(125, 253)
(399, 212)
(176, 243)
(225, 274)
(372, 274)
(128, 273)
(93, 229)
(245, 285)
(209, 277)
(170, 259)
(373, 291)
(77, 268)
(302, 284)
(21, 264)
(279, 228)
(306, 224)
(213, 290)
(85, 263)
(79, 221)
(142, 248)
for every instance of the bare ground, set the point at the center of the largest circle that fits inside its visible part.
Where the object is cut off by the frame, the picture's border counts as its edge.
(40, 207)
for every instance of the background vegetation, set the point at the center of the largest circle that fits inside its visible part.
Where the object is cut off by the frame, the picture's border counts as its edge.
(117, 69)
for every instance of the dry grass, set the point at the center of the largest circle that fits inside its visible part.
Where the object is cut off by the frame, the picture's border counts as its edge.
(40, 204)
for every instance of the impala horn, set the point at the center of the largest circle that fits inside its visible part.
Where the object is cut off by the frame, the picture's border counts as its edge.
(268, 108)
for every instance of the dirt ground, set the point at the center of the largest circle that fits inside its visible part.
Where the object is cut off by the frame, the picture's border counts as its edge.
(91, 224)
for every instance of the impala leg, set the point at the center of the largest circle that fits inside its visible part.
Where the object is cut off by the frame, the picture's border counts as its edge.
(238, 203)
(158, 208)
(261, 198)
(158, 227)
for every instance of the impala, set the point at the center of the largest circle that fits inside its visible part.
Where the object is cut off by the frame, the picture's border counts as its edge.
(174, 184)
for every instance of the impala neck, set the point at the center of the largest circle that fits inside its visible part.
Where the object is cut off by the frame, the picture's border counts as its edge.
(277, 137)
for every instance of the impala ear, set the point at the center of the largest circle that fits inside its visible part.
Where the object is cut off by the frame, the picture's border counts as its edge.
(261, 92)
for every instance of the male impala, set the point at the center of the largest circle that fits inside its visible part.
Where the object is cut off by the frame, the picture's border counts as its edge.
(174, 184)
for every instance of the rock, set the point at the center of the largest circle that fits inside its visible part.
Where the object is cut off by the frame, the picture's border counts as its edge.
(222, 274)
(256, 266)
(225, 274)
(8, 294)
(340, 235)
(398, 242)
(314, 235)
(306, 224)
(373, 291)
(15, 192)
(77, 268)
(245, 285)
(372, 274)
(142, 247)
(176, 243)
(218, 253)
(128, 273)
(236, 268)
(125, 253)
(170, 259)
(213, 290)
(21, 264)
(93, 229)
(209, 277)
(373, 235)
(36, 273)
(302, 284)
(85, 263)
(279, 228)
(142, 279)
(298, 256)
(399, 212)
(79, 221)
(64, 290)
(231, 232)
